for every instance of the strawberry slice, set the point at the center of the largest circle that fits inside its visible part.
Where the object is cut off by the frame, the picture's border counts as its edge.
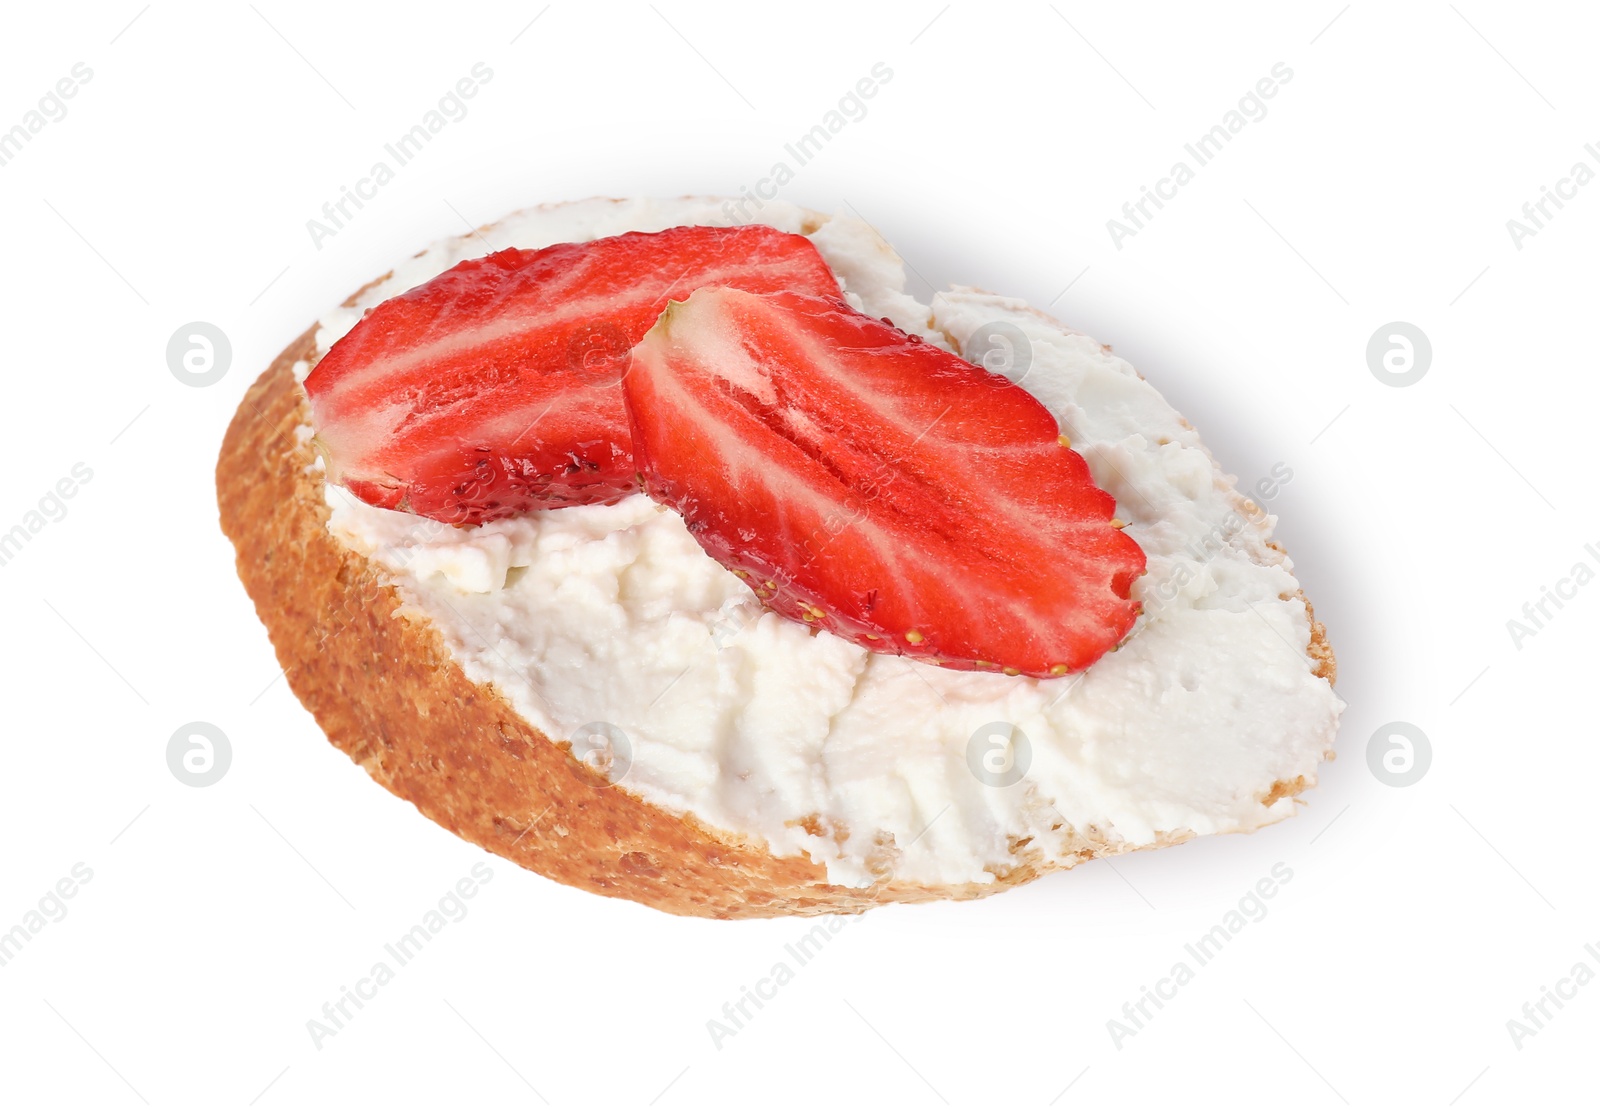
(866, 482)
(493, 389)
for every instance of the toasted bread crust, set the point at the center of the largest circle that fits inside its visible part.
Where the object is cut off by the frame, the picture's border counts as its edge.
(386, 691)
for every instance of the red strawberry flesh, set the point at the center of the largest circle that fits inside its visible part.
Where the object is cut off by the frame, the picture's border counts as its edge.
(871, 484)
(494, 388)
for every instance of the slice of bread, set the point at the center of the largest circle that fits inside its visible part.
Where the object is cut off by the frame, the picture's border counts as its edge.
(386, 686)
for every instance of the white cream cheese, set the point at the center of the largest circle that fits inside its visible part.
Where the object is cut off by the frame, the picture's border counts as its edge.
(613, 615)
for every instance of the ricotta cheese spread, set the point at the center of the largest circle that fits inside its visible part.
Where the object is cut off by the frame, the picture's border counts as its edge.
(608, 625)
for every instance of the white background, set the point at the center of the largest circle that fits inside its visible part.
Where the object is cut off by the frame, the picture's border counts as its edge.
(219, 920)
